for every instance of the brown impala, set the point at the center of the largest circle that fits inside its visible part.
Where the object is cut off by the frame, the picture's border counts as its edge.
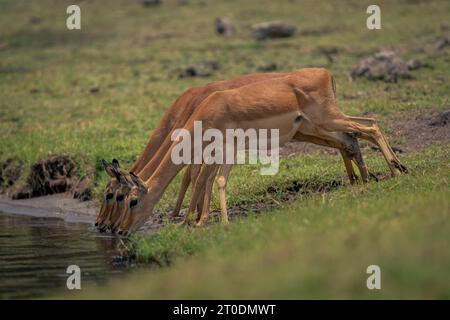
(282, 103)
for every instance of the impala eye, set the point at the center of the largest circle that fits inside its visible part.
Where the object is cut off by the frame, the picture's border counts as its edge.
(133, 203)
(109, 196)
(119, 198)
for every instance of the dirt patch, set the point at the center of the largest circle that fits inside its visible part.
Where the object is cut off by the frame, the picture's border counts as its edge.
(418, 129)
(10, 172)
(386, 66)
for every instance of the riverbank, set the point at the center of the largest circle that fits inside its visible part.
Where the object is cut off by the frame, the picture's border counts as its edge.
(60, 205)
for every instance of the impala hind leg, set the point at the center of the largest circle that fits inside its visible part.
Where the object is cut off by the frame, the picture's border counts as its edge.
(381, 142)
(222, 180)
(347, 145)
(373, 134)
(328, 117)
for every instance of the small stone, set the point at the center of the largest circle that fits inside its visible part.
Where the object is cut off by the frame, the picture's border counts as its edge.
(94, 89)
(202, 69)
(268, 67)
(441, 44)
(150, 3)
(34, 20)
(445, 26)
(273, 29)
(224, 26)
(414, 64)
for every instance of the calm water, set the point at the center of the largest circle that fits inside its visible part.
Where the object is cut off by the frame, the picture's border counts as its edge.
(35, 253)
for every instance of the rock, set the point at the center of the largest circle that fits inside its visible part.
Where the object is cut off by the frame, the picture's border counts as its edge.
(94, 89)
(385, 65)
(150, 3)
(34, 20)
(414, 64)
(441, 44)
(444, 26)
(441, 120)
(202, 69)
(224, 26)
(273, 29)
(268, 67)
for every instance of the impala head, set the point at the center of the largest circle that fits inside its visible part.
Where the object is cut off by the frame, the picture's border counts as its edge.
(127, 180)
(134, 213)
(111, 188)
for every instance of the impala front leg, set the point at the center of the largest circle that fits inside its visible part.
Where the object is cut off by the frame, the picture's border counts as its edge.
(200, 183)
(184, 186)
(203, 215)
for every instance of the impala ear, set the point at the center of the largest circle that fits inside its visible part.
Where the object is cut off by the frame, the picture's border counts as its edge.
(105, 163)
(108, 168)
(301, 96)
(142, 186)
(115, 163)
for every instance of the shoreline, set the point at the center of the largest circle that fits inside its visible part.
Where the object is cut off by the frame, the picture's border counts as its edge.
(59, 206)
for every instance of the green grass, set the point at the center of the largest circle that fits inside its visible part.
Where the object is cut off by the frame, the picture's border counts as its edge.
(317, 246)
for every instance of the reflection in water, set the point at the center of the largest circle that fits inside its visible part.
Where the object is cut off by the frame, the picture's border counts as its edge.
(35, 253)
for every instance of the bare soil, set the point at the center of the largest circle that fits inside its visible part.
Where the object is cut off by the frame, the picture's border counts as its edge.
(416, 130)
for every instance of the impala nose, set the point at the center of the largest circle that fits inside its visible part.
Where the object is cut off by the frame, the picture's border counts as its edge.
(123, 233)
(96, 224)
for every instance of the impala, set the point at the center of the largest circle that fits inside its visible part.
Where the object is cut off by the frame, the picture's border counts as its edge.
(278, 103)
(159, 142)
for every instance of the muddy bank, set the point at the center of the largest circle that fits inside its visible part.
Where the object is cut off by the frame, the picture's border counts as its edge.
(61, 206)
(55, 174)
